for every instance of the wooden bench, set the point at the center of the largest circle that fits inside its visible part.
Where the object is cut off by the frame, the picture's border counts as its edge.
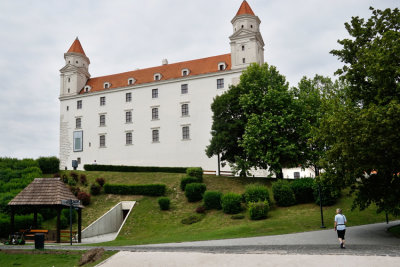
(30, 234)
(64, 234)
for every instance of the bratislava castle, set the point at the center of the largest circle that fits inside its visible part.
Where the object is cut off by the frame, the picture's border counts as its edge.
(159, 116)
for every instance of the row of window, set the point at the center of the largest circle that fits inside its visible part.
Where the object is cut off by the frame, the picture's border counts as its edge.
(154, 94)
(128, 116)
(155, 136)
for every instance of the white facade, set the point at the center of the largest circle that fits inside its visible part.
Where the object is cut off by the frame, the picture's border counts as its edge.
(95, 126)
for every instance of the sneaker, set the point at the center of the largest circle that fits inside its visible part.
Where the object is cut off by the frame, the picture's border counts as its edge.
(341, 245)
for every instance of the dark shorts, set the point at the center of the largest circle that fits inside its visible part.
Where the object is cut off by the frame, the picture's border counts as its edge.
(340, 233)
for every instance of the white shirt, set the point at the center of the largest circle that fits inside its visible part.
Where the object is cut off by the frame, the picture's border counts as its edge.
(340, 219)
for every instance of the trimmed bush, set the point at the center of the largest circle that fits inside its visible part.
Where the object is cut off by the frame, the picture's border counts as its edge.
(255, 193)
(65, 213)
(283, 193)
(100, 181)
(49, 164)
(231, 203)
(212, 200)
(95, 189)
(74, 176)
(121, 168)
(84, 198)
(64, 222)
(192, 219)
(258, 210)
(195, 172)
(144, 189)
(64, 178)
(188, 180)
(330, 193)
(164, 203)
(194, 191)
(75, 190)
(83, 179)
(303, 190)
(71, 182)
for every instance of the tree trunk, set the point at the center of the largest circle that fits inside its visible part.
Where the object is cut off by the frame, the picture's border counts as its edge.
(279, 174)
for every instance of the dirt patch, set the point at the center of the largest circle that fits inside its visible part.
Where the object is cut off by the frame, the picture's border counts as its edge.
(30, 252)
(91, 256)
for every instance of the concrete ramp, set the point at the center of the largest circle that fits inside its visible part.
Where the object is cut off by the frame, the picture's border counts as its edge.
(107, 227)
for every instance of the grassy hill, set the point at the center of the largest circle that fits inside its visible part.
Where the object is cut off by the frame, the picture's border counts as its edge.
(147, 224)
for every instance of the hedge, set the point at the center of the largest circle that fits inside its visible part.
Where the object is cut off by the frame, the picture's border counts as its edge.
(20, 222)
(212, 200)
(195, 172)
(255, 193)
(194, 191)
(122, 168)
(283, 193)
(303, 190)
(188, 180)
(140, 189)
(49, 165)
(231, 203)
(258, 210)
(164, 203)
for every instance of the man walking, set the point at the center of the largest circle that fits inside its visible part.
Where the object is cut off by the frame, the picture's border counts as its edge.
(340, 227)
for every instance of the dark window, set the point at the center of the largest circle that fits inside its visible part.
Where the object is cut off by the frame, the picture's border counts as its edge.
(185, 133)
(128, 97)
(78, 123)
(184, 73)
(251, 26)
(154, 93)
(128, 138)
(221, 67)
(242, 47)
(102, 101)
(69, 79)
(157, 77)
(155, 136)
(128, 116)
(106, 85)
(243, 60)
(79, 160)
(154, 113)
(242, 26)
(185, 109)
(102, 120)
(102, 140)
(220, 83)
(296, 175)
(184, 88)
(67, 108)
(79, 104)
(130, 81)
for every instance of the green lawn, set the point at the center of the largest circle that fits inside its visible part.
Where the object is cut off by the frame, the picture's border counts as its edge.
(147, 224)
(395, 230)
(46, 258)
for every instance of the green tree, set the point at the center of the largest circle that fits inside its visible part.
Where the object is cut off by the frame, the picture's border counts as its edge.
(228, 128)
(361, 129)
(273, 136)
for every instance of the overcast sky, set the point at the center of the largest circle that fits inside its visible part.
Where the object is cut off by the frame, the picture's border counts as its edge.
(120, 36)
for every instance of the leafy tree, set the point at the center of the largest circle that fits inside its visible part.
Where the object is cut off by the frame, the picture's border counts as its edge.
(228, 128)
(273, 136)
(362, 127)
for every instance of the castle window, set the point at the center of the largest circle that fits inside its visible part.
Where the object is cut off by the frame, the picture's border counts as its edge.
(79, 160)
(154, 113)
(128, 97)
(106, 85)
(87, 88)
(78, 123)
(102, 101)
(243, 60)
(76, 62)
(220, 83)
(102, 120)
(128, 116)
(184, 89)
(131, 81)
(128, 138)
(154, 93)
(185, 133)
(155, 135)
(67, 108)
(185, 110)
(102, 139)
(69, 79)
(242, 26)
(79, 104)
(78, 141)
(251, 26)
(185, 72)
(242, 47)
(69, 90)
(221, 66)
(157, 76)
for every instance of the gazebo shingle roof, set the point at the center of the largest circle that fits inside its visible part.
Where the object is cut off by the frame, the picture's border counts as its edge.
(43, 191)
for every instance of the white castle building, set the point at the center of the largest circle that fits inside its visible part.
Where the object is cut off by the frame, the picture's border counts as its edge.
(157, 116)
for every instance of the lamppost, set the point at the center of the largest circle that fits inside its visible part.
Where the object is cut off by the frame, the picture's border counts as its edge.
(320, 205)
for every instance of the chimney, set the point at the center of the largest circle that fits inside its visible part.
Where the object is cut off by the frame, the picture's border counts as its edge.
(165, 61)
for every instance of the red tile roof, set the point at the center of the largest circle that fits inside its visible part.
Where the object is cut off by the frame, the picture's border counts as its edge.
(245, 9)
(168, 71)
(76, 47)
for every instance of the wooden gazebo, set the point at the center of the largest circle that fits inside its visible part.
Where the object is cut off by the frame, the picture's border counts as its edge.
(45, 193)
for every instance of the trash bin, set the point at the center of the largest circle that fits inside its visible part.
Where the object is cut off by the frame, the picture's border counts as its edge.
(39, 241)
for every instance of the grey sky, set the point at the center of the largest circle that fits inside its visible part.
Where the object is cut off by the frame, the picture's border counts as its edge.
(119, 36)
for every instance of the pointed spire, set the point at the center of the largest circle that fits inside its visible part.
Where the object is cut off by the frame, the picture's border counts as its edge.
(76, 47)
(245, 9)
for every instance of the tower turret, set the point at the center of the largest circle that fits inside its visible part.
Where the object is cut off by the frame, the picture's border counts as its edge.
(75, 73)
(247, 45)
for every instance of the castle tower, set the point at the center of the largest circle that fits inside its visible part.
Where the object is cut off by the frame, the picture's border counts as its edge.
(247, 45)
(75, 73)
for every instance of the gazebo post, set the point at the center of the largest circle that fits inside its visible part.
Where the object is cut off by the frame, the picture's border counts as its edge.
(79, 225)
(12, 219)
(58, 224)
(35, 224)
